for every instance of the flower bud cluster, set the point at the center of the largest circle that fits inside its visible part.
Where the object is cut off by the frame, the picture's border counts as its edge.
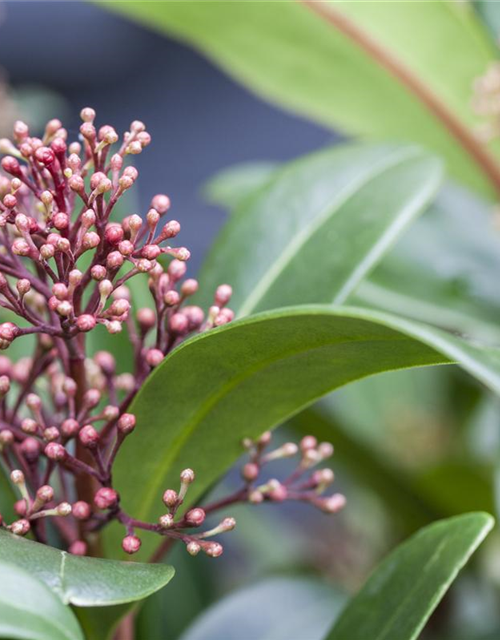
(68, 266)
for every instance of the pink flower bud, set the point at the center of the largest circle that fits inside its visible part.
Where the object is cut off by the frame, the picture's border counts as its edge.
(126, 423)
(6, 437)
(20, 527)
(170, 498)
(45, 493)
(30, 448)
(189, 287)
(178, 323)
(28, 425)
(308, 442)
(146, 318)
(223, 295)
(51, 434)
(187, 476)
(154, 357)
(85, 322)
(195, 517)
(78, 548)
(114, 233)
(82, 510)
(87, 114)
(193, 548)
(250, 471)
(88, 131)
(161, 203)
(17, 476)
(131, 544)
(106, 362)
(213, 549)
(88, 436)
(55, 452)
(126, 248)
(332, 504)
(45, 156)
(23, 286)
(150, 251)
(63, 509)
(176, 270)
(77, 184)
(10, 201)
(4, 385)
(90, 240)
(11, 165)
(70, 428)
(60, 291)
(98, 272)
(171, 298)
(105, 498)
(166, 521)
(20, 507)
(60, 221)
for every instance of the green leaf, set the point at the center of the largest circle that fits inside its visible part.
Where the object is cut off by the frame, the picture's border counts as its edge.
(232, 186)
(30, 611)
(320, 225)
(249, 376)
(290, 55)
(288, 608)
(443, 271)
(85, 582)
(404, 590)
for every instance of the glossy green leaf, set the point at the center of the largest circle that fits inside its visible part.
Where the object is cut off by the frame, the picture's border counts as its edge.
(85, 582)
(246, 377)
(288, 608)
(404, 590)
(287, 53)
(29, 610)
(320, 225)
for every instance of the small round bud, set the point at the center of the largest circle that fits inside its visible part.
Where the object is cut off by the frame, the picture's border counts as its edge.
(193, 548)
(78, 548)
(187, 476)
(178, 323)
(308, 442)
(45, 493)
(250, 472)
(4, 385)
(166, 521)
(131, 544)
(23, 286)
(161, 203)
(63, 509)
(85, 322)
(98, 272)
(20, 527)
(87, 114)
(170, 498)
(154, 357)
(146, 318)
(51, 434)
(30, 448)
(17, 476)
(20, 507)
(126, 423)
(6, 437)
(213, 549)
(106, 361)
(82, 510)
(88, 436)
(172, 298)
(223, 295)
(28, 425)
(55, 452)
(333, 503)
(195, 517)
(105, 498)
(325, 450)
(189, 287)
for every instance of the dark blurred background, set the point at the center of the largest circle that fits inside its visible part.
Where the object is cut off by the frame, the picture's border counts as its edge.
(200, 120)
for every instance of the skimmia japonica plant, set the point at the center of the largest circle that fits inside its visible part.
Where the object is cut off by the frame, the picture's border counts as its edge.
(66, 260)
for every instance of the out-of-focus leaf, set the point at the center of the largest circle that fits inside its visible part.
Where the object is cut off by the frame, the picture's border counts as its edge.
(85, 582)
(29, 610)
(230, 187)
(399, 597)
(444, 270)
(289, 54)
(287, 608)
(320, 225)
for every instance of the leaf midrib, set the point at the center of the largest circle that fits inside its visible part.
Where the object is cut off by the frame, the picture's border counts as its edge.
(329, 210)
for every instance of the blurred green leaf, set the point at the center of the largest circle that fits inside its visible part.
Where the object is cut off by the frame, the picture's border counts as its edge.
(287, 608)
(404, 590)
(289, 54)
(85, 582)
(249, 376)
(231, 186)
(31, 611)
(320, 225)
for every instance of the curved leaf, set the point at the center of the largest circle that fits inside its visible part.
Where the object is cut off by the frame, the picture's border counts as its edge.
(320, 225)
(288, 608)
(287, 53)
(85, 582)
(229, 187)
(404, 590)
(30, 611)
(249, 376)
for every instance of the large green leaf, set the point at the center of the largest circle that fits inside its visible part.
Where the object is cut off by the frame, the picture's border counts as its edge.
(319, 226)
(404, 590)
(288, 608)
(85, 582)
(29, 610)
(309, 63)
(251, 375)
